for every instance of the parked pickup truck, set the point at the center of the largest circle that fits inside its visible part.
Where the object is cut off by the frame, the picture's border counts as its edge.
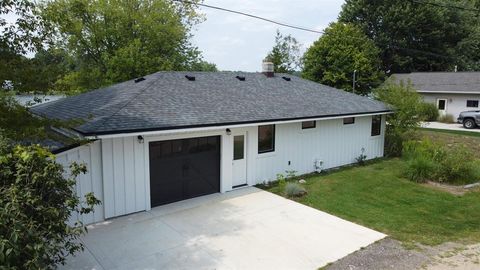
(469, 119)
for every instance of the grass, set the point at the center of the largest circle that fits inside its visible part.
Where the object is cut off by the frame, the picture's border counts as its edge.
(452, 138)
(378, 197)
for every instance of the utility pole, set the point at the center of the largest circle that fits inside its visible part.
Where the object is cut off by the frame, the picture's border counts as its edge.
(354, 79)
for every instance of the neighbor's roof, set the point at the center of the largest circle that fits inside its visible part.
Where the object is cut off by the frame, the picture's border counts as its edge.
(442, 82)
(168, 100)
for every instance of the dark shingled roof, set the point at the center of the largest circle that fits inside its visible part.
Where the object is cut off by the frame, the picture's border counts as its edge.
(168, 100)
(442, 82)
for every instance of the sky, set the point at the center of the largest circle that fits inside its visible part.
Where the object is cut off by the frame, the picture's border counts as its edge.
(239, 43)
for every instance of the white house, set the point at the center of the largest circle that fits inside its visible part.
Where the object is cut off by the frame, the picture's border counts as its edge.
(452, 92)
(171, 136)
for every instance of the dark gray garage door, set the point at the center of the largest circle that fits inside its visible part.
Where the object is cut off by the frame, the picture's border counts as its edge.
(183, 169)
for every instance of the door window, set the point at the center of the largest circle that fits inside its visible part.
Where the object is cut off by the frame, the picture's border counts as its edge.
(441, 104)
(238, 147)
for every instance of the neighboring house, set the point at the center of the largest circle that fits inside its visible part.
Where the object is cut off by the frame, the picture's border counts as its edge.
(171, 136)
(452, 92)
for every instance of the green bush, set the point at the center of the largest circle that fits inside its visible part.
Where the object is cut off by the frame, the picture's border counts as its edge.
(435, 162)
(446, 118)
(420, 169)
(36, 201)
(430, 111)
(294, 190)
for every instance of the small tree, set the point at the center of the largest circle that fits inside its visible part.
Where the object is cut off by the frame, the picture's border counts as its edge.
(36, 202)
(409, 113)
(285, 54)
(333, 58)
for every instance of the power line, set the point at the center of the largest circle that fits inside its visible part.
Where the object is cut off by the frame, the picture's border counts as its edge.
(252, 16)
(445, 6)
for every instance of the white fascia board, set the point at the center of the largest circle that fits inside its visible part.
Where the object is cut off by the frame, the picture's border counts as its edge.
(189, 130)
(449, 92)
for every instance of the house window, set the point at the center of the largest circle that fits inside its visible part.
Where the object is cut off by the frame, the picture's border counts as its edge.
(472, 103)
(309, 124)
(376, 125)
(266, 139)
(349, 120)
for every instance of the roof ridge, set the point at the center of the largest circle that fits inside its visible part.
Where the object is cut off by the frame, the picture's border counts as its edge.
(130, 100)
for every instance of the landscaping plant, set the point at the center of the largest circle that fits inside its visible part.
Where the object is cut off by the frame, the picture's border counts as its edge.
(430, 111)
(36, 202)
(294, 190)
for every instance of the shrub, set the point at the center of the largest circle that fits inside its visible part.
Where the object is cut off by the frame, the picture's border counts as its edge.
(447, 119)
(294, 190)
(420, 169)
(430, 111)
(281, 179)
(36, 201)
(433, 161)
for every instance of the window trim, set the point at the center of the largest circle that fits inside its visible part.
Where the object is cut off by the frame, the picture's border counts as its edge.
(353, 120)
(474, 101)
(310, 127)
(273, 140)
(379, 127)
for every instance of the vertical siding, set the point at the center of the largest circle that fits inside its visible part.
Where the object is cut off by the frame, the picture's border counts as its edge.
(89, 182)
(331, 141)
(456, 103)
(123, 171)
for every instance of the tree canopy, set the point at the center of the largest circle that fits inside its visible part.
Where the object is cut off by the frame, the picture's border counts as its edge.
(414, 36)
(333, 58)
(285, 54)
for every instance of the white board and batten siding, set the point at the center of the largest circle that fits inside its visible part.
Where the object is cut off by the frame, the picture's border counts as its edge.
(118, 168)
(89, 154)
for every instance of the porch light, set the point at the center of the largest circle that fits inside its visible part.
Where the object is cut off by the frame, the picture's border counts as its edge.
(229, 132)
(140, 139)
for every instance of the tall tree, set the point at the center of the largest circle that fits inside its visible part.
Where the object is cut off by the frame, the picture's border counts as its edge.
(117, 40)
(411, 36)
(333, 58)
(285, 54)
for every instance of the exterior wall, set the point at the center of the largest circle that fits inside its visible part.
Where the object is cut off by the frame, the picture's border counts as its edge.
(91, 181)
(456, 103)
(331, 141)
(119, 173)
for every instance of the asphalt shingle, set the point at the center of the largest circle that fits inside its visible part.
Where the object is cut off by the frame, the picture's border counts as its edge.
(449, 82)
(167, 100)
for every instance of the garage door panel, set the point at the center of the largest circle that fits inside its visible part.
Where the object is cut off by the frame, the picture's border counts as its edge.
(182, 169)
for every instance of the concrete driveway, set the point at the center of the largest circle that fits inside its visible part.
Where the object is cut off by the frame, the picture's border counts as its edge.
(454, 126)
(244, 229)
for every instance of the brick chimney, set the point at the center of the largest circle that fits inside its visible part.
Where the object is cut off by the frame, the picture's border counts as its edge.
(267, 69)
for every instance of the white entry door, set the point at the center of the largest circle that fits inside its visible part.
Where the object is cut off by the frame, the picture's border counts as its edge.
(239, 160)
(442, 106)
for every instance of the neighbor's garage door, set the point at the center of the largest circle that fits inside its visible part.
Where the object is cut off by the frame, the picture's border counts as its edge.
(183, 169)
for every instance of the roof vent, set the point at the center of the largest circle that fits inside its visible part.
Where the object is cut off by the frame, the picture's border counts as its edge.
(137, 80)
(268, 69)
(286, 78)
(241, 78)
(190, 78)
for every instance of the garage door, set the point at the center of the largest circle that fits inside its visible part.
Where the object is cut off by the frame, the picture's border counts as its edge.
(183, 169)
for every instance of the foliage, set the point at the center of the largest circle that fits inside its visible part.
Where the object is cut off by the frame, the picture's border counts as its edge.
(377, 196)
(294, 190)
(361, 158)
(446, 118)
(430, 111)
(36, 202)
(408, 106)
(333, 58)
(412, 36)
(281, 179)
(291, 174)
(114, 41)
(433, 161)
(285, 54)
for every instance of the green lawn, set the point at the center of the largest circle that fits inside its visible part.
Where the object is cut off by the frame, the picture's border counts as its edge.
(378, 197)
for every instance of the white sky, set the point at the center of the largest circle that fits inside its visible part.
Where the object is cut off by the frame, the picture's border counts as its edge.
(235, 42)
